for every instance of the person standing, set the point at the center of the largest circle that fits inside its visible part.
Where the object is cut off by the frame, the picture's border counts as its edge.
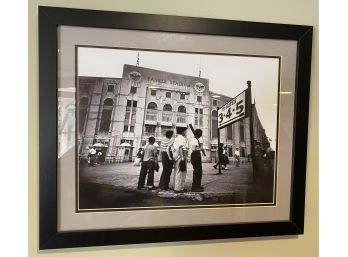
(180, 160)
(92, 157)
(167, 160)
(196, 161)
(220, 156)
(237, 157)
(139, 156)
(148, 166)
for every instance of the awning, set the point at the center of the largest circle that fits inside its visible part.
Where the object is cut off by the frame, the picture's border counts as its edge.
(125, 145)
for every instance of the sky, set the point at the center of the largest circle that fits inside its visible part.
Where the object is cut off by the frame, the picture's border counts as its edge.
(227, 74)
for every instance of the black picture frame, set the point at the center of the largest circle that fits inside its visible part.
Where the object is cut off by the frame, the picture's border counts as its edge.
(51, 17)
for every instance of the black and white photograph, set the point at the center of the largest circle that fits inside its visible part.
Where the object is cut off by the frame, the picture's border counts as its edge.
(165, 129)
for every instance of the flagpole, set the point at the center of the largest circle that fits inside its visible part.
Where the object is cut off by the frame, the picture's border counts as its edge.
(251, 127)
(218, 148)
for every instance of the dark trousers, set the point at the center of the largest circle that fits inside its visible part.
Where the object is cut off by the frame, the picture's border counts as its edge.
(147, 168)
(196, 162)
(167, 171)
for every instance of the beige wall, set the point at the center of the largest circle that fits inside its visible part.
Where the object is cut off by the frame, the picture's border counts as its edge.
(278, 11)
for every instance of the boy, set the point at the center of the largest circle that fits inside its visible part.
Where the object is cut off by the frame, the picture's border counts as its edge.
(148, 166)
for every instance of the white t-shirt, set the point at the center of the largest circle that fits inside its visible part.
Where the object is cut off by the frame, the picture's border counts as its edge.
(194, 143)
(180, 141)
(236, 153)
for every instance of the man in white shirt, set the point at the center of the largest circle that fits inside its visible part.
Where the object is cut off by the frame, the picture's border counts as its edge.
(196, 161)
(237, 157)
(180, 147)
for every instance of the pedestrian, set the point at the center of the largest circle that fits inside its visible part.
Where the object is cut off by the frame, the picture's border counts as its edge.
(225, 158)
(259, 159)
(148, 166)
(269, 159)
(92, 157)
(180, 147)
(138, 157)
(220, 156)
(99, 158)
(196, 161)
(237, 157)
(167, 160)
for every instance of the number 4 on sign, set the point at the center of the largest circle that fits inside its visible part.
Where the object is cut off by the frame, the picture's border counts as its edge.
(228, 114)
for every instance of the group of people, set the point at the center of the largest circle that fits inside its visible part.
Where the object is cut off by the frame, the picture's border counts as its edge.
(223, 157)
(94, 157)
(264, 159)
(174, 154)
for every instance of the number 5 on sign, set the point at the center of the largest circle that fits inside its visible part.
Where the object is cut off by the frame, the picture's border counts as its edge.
(232, 111)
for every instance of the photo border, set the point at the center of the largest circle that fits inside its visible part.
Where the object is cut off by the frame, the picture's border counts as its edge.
(108, 209)
(52, 17)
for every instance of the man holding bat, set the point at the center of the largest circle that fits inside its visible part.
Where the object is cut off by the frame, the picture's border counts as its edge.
(196, 160)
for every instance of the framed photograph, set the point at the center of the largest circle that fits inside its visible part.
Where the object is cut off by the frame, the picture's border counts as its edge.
(158, 128)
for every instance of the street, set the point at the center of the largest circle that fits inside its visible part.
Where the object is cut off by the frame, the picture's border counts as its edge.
(114, 186)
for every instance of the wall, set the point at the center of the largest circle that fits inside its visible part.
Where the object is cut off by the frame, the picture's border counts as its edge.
(278, 11)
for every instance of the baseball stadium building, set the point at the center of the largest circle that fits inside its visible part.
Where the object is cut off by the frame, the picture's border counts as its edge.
(118, 115)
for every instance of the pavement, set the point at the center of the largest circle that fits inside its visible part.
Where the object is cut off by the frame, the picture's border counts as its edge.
(233, 185)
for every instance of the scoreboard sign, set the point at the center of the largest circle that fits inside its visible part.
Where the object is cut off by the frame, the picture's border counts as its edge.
(232, 111)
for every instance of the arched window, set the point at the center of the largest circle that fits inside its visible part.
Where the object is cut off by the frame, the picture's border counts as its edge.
(167, 108)
(152, 106)
(214, 123)
(83, 106)
(182, 109)
(181, 116)
(108, 102)
(106, 115)
(151, 113)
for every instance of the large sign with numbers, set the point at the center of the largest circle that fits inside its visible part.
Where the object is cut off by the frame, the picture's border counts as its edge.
(232, 111)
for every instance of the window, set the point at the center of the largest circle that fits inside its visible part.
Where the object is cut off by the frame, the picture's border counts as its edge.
(168, 94)
(201, 121)
(230, 152)
(153, 92)
(110, 88)
(199, 117)
(199, 98)
(125, 128)
(133, 90)
(129, 103)
(214, 123)
(182, 109)
(106, 115)
(164, 129)
(167, 108)
(214, 102)
(181, 119)
(135, 103)
(229, 132)
(242, 152)
(241, 132)
(127, 115)
(152, 106)
(182, 96)
(131, 129)
(150, 130)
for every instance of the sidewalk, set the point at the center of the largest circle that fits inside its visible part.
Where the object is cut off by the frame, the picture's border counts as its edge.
(234, 181)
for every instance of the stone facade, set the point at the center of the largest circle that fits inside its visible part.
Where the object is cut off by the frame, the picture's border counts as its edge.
(121, 113)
